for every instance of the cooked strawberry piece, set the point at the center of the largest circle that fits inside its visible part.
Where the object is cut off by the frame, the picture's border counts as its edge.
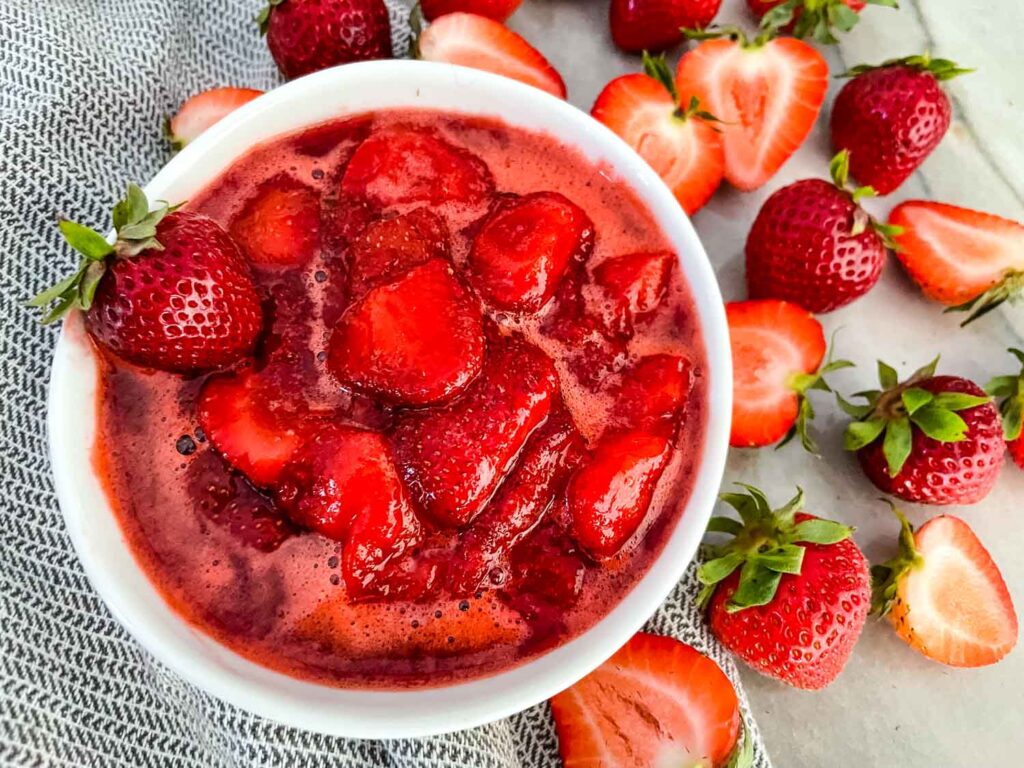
(767, 97)
(653, 389)
(957, 256)
(523, 248)
(415, 341)
(546, 574)
(945, 595)
(654, 25)
(406, 165)
(499, 10)
(203, 110)
(633, 285)
(389, 248)
(475, 41)
(521, 502)
(656, 702)
(254, 424)
(772, 343)
(280, 223)
(610, 494)
(453, 458)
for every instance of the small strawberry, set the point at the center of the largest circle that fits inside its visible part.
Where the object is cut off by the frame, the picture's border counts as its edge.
(389, 248)
(208, 316)
(499, 10)
(681, 143)
(945, 595)
(203, 110)
(930, 439)
(968, 260)
(415, 341)
(654, 25)
(481, 43)
(742, 82)
(653, 389)
(891, 117)
(818, 19)
(777, 354)
(1011, 408)
(309, 35)
(632, 287)
(524, 246)
(656, 702)
(813, 245)
(790, 592)
(280, 223)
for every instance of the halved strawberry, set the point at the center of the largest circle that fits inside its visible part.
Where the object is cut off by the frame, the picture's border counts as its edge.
(968, 260)
(611, 493)
(766, 92)
(653, 389)
(389, 248)
(204, 109)
(633, 285)
(523, 247)
(410, 165)
(777, 348)
(417, 340)
(454, 458)
(252, 423)
(280, 223)
(945, 596)
(656, 702)
(668, 129)
(476, 41)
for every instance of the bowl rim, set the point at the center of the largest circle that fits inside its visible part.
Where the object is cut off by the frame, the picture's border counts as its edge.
(122, 583)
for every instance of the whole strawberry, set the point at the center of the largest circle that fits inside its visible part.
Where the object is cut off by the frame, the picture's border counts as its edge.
(891, 117)
(930, 439)
(813, 245)
(1011, 408)
(790, 592)
(309, 35)
(818, 19)
(172, 293)
(654, 25)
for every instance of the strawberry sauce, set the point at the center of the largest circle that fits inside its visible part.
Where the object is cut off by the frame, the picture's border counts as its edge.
(537, 455)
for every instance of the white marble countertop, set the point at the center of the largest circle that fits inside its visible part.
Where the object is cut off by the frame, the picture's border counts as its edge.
(890, 707)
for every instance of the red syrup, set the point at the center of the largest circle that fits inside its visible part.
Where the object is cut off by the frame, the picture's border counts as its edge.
(491, 573)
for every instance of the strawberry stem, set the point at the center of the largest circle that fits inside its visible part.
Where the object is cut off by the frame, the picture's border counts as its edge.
(1009, 288)
(802, 383)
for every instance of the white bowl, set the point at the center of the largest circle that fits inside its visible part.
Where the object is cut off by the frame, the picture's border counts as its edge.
(123, 585)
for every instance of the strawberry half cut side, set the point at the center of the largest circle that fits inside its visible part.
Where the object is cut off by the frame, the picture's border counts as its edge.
(945, 595)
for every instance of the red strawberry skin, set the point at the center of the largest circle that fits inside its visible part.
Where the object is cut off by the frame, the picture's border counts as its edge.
(280, 224)
(654, 25)
(655, 388)
(801, 248)
(804, 636)
(208, 316)
(499, 10)
(633, 285)
(389, 248)
(309, 35)
(890, 120)
(1016, 451)
(961, 472)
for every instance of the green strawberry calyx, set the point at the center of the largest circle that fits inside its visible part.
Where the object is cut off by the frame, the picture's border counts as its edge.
(135, 226)
(656, 68)
(885, 578)
(817, 19)
(1009, 288)
(263, 17)
(802, 384)
(1010, 391)
(730, 32)
(892, 412)
(941, 69)
(742, 755)
(839, 170)
(765, 544)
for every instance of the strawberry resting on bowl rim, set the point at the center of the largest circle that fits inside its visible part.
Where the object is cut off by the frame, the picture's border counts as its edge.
(400, 399)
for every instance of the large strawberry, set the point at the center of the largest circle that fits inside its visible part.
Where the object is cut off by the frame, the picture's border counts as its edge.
(203, 110)
(789, 593)
(679, 141)
(767, 92)
(656, 702)
(1011, 407)
(172, 292)
(280, 223)
(499, 10)
(930, 439)
(968, 260)
(309, 35)
(812, 243)
(391, 247)
(818, 19)
(654, 25)
(945, 595)
(890, 117)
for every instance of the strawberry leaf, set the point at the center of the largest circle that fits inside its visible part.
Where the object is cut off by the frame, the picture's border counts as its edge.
(885, 577)
(719, 524)
(887, 376)
(786, 558)
(742, 755)
(656, 67)
(714, 571)
(1009, 288)
(1002, 386)
(88, 242)
(862, 433)
(1012, 412)
(915, 398)
(940, 424)
(958, 401)
(90, 281)
(897, 443)
(757, 586)
(819, 531)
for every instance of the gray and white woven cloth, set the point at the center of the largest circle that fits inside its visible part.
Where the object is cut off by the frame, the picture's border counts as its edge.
(84, 85)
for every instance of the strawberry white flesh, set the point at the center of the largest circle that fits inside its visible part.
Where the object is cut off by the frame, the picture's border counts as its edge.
(205, 109)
